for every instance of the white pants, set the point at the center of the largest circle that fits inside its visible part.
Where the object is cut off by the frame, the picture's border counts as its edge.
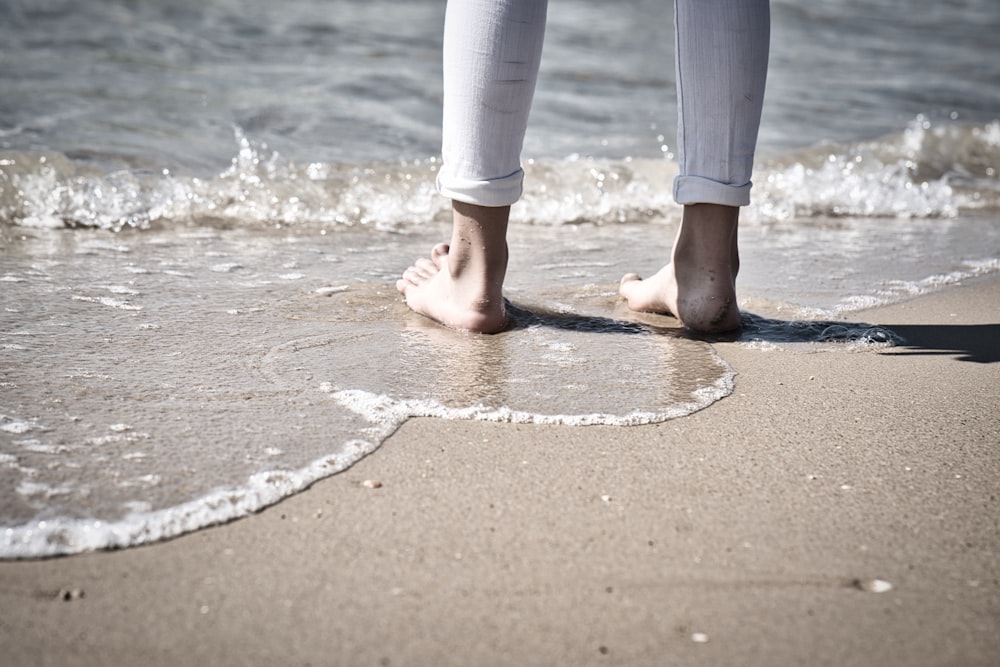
(492, 49)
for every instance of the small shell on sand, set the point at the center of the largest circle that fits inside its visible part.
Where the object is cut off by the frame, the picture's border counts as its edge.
(699, 637)
(872, 585)
(371, 484)
(327, 291)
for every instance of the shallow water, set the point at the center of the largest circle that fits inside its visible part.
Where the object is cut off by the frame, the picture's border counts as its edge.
(204, 205)
(158, 382)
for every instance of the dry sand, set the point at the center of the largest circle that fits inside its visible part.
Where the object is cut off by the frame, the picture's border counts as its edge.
(751, 533)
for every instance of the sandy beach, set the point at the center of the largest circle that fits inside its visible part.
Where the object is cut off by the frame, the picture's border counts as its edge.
(839, 508)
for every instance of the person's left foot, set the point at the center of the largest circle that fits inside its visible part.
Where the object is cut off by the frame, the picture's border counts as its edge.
(460, 300)
(698, 286)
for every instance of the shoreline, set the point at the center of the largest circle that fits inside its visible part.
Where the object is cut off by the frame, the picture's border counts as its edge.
(751, 532)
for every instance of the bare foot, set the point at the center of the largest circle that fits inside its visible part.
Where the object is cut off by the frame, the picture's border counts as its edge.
(698, 286)
(461, 284)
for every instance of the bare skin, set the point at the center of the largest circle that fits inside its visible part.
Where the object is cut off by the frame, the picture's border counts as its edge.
(698, 286)
(461, 284)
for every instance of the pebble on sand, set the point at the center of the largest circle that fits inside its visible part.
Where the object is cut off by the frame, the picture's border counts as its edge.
(371, 484)
(68, 594)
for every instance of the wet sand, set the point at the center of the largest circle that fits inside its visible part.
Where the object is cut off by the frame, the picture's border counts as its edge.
(837, 508)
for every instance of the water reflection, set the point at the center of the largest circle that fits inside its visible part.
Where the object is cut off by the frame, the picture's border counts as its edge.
(550, 367)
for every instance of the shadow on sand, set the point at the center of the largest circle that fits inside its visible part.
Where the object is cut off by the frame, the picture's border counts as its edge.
(978, 343)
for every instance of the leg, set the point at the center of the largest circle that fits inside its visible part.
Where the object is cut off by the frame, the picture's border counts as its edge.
(492, 51)
(721, 57)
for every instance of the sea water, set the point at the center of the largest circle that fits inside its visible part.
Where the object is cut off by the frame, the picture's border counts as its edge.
(204, 206)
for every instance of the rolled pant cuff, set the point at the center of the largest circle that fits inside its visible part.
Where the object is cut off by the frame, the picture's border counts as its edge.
(698, 190)
(502, 191)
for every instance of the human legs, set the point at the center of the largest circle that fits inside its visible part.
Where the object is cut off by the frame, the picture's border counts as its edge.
(492, 50)
(721, 59)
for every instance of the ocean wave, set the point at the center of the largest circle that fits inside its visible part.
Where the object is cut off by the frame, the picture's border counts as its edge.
(925, 171)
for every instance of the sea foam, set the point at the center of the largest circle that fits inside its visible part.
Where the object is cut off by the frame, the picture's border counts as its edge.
(926, 170)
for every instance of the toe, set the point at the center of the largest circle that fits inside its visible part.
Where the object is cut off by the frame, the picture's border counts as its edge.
(426, 267)
(625, 284)
(414, 276)
(629, 277)
(439, 253)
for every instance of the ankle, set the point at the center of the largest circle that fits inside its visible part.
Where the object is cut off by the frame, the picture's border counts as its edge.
(707, 238)
(478, 246)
